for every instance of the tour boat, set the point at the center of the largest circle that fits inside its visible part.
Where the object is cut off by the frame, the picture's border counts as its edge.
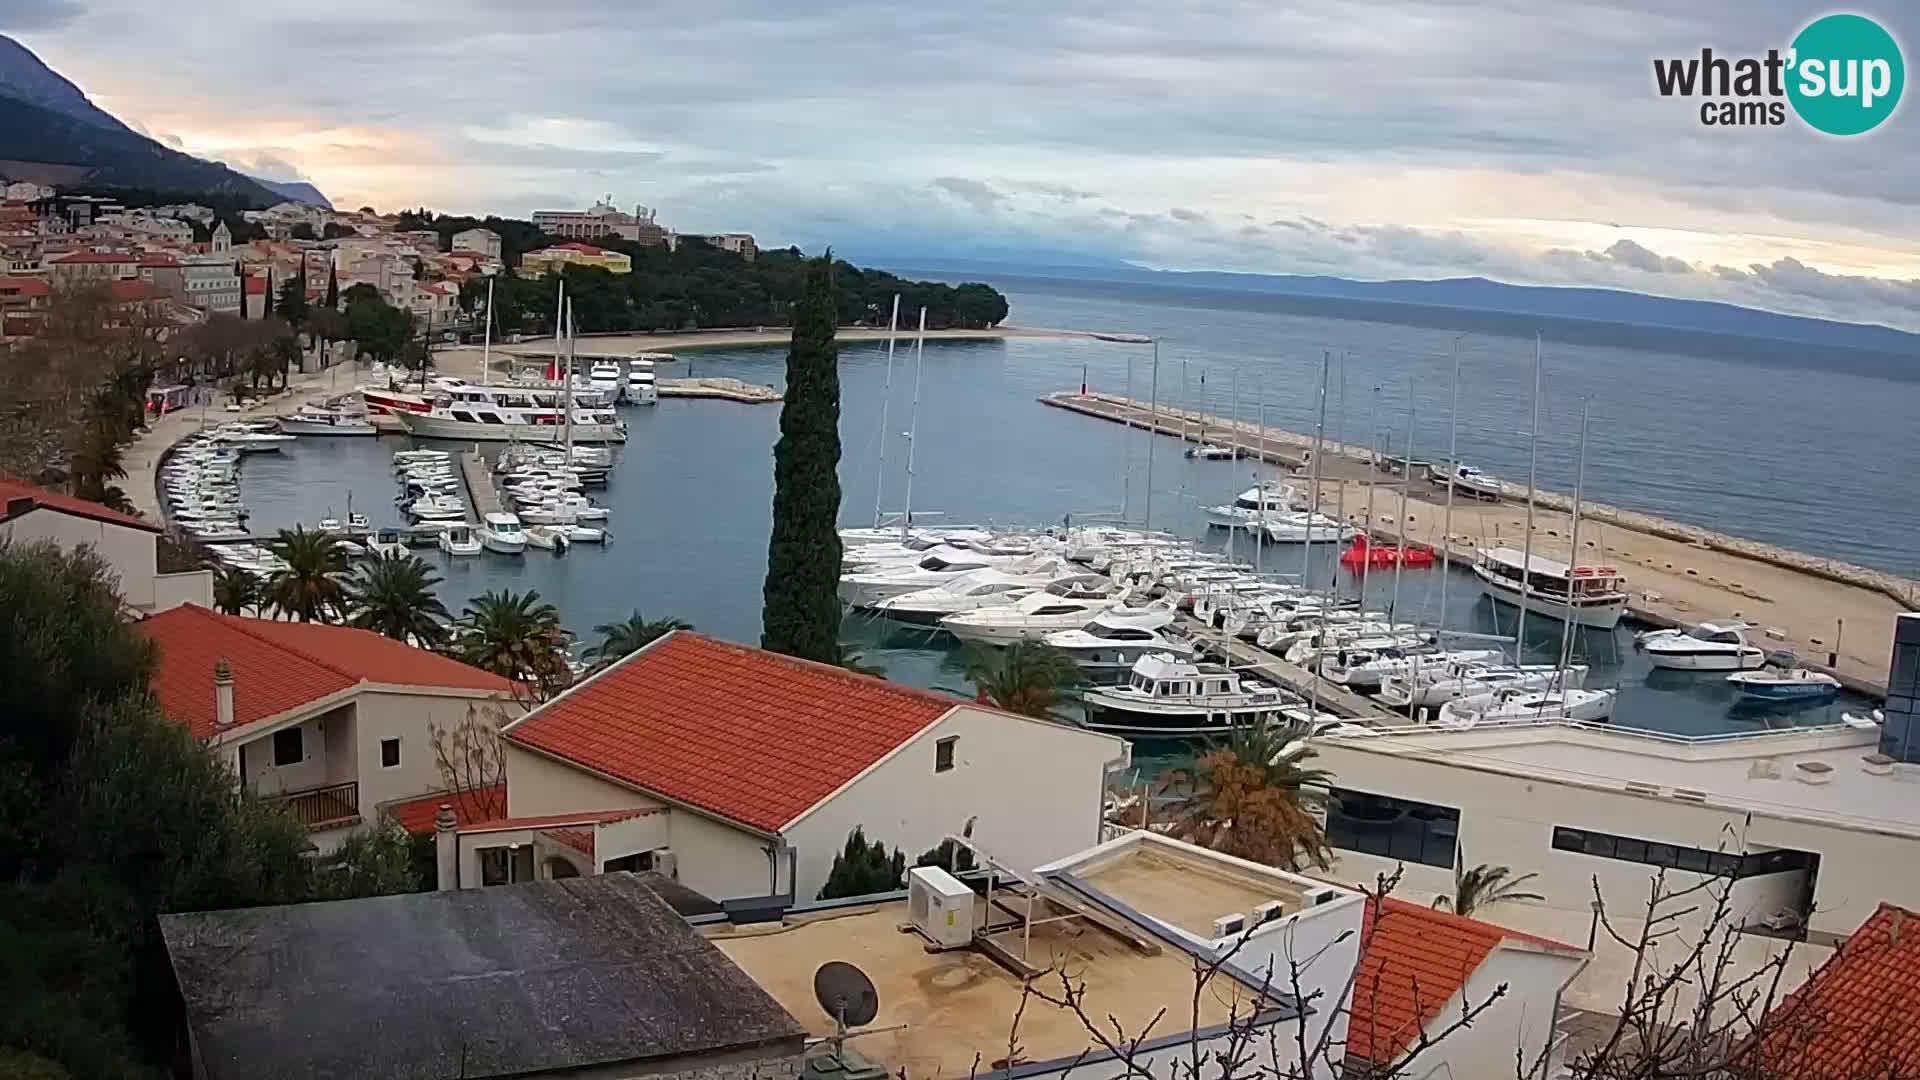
(1362, 554)
(386, 401)
(311, 421)
(1710, 646)
(1251, 506)
(470, 412)
(1165, 697)
(1594, 596)
(1063, 605)
(502, 533)
(1428, 686)
(1515, 704)
(1788, 684)
(458, 539)
(642, 389)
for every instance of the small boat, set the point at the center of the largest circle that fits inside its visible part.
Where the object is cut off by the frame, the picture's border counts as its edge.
(1301, 527)
(1166, 697)
(437, 508)
(1362, 554)
(1710, 646)
(1859, 723)
(458, 539)
(312, 421)
(1784, 684)
(581, 534)
(1112, 642)
(1468, 481)
(386, 544)
(547, 538)
(641, 386)
(503, 533)
(1212, 452)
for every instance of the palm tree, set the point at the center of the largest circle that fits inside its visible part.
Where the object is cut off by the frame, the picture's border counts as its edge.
(394, 596)
(621, 639)
(311, 587)
(1242, 797)
(518, 636)
(235, 590)
(1027, 677)
(1482, 886)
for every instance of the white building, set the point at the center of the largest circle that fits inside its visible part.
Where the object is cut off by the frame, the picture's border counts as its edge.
(210, 283)
(1810, 827)
(337, 722)
(742, 772)
(127, 544)
(602, 219)
(479, 241)
(23, 191)
(740, 244)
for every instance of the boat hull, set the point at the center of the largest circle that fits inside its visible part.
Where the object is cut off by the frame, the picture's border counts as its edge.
(1749, 659)
(1111, 718)
(433, 427)
(1600, 615)
(1786, 691)
(321, 427)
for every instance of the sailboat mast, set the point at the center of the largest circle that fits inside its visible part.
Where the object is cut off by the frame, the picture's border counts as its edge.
(1453, 467)
(486, 341)
(1233, 425)
(1260, 482)
(571, 345)
(1573, 538)
(1533, 477)
(1400, 526)
(559, 324)
(1340, 500)
(1153, 429)
(1319, 442)
(1126, 450)
(1373, 464)
(886, 400)
(913, 418)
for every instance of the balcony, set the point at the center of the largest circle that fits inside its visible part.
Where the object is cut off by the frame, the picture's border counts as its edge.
(328, 807)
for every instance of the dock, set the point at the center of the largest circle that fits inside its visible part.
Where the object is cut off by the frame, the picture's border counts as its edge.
(1331, 696)
(1834, 616)
(482, 497)
(724, 389)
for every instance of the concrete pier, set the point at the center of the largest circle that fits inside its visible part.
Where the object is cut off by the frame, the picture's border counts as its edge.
(483, 497)
(1834, 616)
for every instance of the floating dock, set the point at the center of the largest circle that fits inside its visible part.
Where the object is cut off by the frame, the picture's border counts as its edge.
(1332, 697)
(482, 496)
(1834, 616)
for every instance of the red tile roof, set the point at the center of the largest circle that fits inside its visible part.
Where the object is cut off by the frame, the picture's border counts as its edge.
(11, 489)
(1856, 1015)
(1415, 960)
(574, 245)
(24, 286)
(548, 821)
(96, 257)
(746, 735)
(469, 808)
(133, 290)
(158, 260)
(282, 665)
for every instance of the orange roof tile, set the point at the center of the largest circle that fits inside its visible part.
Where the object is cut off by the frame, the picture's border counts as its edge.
(469, 808)
(548, 821)
(1415, 960)
(11, 489)
(24, 286)
(1856, 1015)
(747, 735)
(282, 665)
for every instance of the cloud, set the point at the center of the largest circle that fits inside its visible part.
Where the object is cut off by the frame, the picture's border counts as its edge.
(18, 16)
(975, 193)
(1627, 253)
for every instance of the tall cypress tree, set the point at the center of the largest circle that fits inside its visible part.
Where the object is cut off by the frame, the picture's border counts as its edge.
(801, 616)
(333, 290)
(266, 310)
(238, 273)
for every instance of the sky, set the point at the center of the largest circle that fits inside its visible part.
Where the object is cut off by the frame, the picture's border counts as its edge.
(1512, 139)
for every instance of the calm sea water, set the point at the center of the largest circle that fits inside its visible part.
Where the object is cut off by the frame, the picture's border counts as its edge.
(1814, 460)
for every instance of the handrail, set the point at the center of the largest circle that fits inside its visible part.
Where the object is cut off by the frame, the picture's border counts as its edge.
(319, 805)
(1650, 734)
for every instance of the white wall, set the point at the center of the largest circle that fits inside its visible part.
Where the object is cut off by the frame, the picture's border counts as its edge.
(1036, 788)
(720, 861)
(189, 587)
(128, 552)
(538, 785)
(409, 717)
(618, 839)
(266, 778)
(1522, 1017)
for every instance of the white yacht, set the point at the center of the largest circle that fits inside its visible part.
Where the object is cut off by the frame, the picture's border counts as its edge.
(548, 538)
(1114, 642)
(977, 589)
(642, 389)
(502, 533)
(1468, 481)
(1513, 704)
(1365, 669)
(386, 544)
(249, 441)
(1794, 684)
(1252, 506)
(1063, 605)
(1593, 596)
(1428, 687)
(458, 539)
(437, 508)
(1710, 646)
(864, 590)
(1165, 697)
(1327, 640)
(470, 412)
(604, 377)
(1300, 527)
(310, 420)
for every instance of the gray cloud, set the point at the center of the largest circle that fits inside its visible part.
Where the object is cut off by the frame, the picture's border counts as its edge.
(975, 193)
(30, 15)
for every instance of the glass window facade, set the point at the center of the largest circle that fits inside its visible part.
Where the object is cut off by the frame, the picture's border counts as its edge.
(1404, 829)
(1679, 856)
(1900, 734)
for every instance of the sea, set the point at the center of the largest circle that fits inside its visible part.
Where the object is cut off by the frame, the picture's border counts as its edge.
(1802, 455)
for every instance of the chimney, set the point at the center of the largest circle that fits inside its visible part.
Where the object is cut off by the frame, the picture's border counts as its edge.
(446, 848)
(222, 695)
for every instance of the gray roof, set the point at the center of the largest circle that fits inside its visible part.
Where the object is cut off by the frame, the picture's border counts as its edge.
(502, 981)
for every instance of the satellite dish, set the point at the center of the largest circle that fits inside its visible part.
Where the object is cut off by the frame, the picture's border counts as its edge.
(846, 993)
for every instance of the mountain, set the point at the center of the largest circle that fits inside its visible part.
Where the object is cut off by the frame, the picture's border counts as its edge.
(51, 133)
(298, 190)
(24, 77)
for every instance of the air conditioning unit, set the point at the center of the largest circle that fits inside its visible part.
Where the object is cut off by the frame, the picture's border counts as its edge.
(1229, 925)
(1267, 912)
(940, 907)
(665, 864)
(1322, 896)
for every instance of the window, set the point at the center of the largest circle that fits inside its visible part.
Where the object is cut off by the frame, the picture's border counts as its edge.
(289, 748)
(506, 865)
(1393, 828)
(389, 753)
(640, 862)
(1695, 860)
(943, 753)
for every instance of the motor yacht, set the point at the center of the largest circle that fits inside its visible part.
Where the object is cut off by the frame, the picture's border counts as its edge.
(1115, 642)
(864, 590)
(1064, 605)
(604, 377)
(1166, 697)
(1254, 506)
(458, 539)
(437, 508)
(1784, 685)
(1709, 646)
(976, 589)
(642, 389)
(502, 533)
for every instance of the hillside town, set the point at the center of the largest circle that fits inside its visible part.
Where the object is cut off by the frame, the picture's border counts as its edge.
(183, 259)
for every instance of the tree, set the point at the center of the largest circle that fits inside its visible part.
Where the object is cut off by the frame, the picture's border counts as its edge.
(394, 596)
(1027, 677)
(801, 615)
(621, 639)
(861, 869)
(266, 305)
(1243, 798)
(240, 273)
(292, 301)
(472, 763)
(948, 856)
(333, 230)
(311, 587)
(375, 861)
(1482, 886)
(382, 330)
(333, 289)
(235, 591)
(516, 636)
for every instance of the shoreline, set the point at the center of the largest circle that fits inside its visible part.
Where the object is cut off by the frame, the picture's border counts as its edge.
(627, 344)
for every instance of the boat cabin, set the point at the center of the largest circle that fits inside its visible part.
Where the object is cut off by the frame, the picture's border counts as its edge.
(1161, 676)
(1550, 579)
